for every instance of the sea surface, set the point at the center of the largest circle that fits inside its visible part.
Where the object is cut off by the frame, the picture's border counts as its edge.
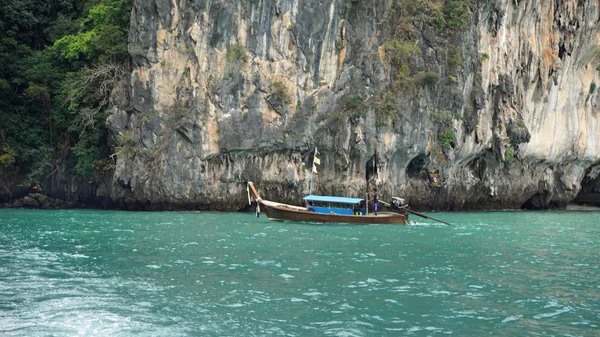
(108, 273)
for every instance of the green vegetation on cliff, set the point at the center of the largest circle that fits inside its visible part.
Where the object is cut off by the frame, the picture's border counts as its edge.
(61, 64)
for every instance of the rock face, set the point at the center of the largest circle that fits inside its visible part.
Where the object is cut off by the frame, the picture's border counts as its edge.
(497, 98)
(38, 200)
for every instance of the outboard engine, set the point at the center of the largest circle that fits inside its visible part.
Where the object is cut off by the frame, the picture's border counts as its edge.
(397, 202)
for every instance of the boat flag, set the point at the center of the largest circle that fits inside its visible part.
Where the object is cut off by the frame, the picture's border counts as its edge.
(316, 161)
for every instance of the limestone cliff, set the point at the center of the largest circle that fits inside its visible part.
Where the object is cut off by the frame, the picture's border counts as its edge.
(497, 96)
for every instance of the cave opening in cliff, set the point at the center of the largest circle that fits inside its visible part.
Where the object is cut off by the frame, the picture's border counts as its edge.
(478, 167)
(532, 203)
(416, 166)
(589, 194)
(540, 201)
(561, 51)
(371, 169)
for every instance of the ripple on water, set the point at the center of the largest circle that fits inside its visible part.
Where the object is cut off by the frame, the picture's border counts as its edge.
(552, 314)
(402, 289)
(440, 292)
(313, 294)
(294, 299)
(426, 328)
(511, 319)
(343, 332)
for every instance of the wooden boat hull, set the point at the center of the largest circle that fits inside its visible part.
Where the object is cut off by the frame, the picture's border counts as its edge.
(278, 211)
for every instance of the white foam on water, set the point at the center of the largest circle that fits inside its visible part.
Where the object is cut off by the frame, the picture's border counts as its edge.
(264, 262)
(123, 230)
(552, 314)
(375, 317)
(580, 323)
(401, 289)
(427, 328)
(294, 300)
(465, 313)
(328, 323)
(414, 329)
(76, 256)
(234, 305)
(553, 304)
(511, 319)
(343, 332)
(473, 295)
(184, 261)
(145, 304)
(441, 292)
(312, 293)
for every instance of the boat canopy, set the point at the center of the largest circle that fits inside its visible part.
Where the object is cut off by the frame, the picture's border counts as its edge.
(340, 200)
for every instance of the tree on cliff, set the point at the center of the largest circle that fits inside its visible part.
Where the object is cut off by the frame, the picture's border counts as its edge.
(54, 56)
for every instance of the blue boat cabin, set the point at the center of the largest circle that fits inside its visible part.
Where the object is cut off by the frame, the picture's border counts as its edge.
(354, 206)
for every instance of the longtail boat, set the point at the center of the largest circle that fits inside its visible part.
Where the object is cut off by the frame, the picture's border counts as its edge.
(356, 211)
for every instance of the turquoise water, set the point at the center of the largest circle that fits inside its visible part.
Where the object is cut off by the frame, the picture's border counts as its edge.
(104, 273)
